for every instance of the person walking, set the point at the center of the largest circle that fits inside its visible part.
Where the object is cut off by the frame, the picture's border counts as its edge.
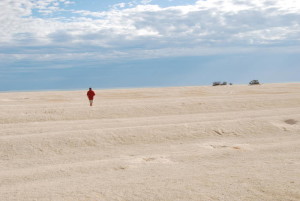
(90, 94)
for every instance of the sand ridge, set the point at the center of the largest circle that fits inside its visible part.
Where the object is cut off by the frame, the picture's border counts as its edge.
(178, 143)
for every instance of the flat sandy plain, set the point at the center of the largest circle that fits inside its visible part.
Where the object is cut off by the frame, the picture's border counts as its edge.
(227, 143)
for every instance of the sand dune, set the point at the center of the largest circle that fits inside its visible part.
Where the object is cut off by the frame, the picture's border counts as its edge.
(227, 143)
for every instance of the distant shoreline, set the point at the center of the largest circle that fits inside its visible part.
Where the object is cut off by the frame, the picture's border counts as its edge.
(120, 88)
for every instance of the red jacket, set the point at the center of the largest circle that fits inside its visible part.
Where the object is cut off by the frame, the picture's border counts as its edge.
(91, 94)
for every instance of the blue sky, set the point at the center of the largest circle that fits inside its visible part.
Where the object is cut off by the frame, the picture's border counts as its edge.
(75, 44)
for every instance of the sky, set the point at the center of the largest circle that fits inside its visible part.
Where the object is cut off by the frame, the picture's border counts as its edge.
(76, 44)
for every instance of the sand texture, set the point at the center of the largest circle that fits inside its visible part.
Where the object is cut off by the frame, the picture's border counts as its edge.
(227, 143)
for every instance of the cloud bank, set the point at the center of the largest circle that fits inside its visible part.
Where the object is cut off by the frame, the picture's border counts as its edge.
(51, 30)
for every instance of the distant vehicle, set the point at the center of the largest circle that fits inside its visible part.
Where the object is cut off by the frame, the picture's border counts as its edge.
(216, 83)
(254, 82)
(219, 83)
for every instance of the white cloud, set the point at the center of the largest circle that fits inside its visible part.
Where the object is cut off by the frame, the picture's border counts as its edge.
(147, 30)
(119, 5)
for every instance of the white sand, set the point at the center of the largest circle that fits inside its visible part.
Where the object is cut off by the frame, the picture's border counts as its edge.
(228, 143)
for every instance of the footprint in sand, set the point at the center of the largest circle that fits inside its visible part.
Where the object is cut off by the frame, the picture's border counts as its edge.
(226, 146)
(120, 168)
(151, 159)
(218, 146)
(291, 121)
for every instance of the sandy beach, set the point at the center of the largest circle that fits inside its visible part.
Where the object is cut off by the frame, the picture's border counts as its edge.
(224, 143)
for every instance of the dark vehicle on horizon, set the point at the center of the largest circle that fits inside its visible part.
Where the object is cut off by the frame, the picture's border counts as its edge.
(219, 83)
(254, 82)
(216, 83)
